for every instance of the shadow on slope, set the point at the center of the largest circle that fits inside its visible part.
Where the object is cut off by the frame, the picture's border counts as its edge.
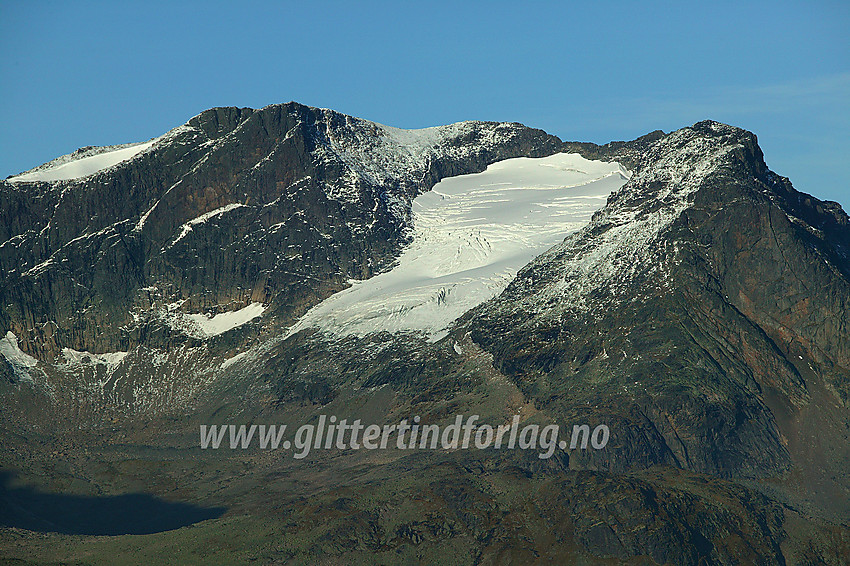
(130, 514)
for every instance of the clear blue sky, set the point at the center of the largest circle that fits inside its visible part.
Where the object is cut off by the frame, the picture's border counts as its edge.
(97, 73)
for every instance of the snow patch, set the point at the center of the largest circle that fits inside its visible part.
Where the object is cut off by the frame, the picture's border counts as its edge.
(471, 234)
(230, 361)
(222, 322)
(187, 227)
(202, 325)
(19, 360)
(83, 166)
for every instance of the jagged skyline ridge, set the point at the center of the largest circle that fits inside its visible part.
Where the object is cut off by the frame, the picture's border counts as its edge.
(786, 79)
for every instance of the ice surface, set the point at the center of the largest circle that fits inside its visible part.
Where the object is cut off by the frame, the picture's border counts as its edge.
(471, 235)
(83, 166)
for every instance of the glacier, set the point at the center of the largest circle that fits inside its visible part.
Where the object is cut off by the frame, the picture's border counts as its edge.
(470, 236)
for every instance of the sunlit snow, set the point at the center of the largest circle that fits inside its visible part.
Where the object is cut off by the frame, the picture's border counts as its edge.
(9, 349)
(222, 322)
(187, 227)
(20, 361)
(83, 166)
(471, 235)
(230, 361)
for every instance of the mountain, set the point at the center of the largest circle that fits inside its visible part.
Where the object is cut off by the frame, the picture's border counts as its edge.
(274, 265)
(705, 307)
(281, 206)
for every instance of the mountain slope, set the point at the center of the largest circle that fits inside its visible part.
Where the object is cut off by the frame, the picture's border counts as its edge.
(701, 314)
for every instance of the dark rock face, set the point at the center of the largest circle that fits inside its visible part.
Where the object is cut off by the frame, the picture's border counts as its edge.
(302, 200)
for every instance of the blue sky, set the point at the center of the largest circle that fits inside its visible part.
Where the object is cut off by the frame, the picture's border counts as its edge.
(98, 73)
